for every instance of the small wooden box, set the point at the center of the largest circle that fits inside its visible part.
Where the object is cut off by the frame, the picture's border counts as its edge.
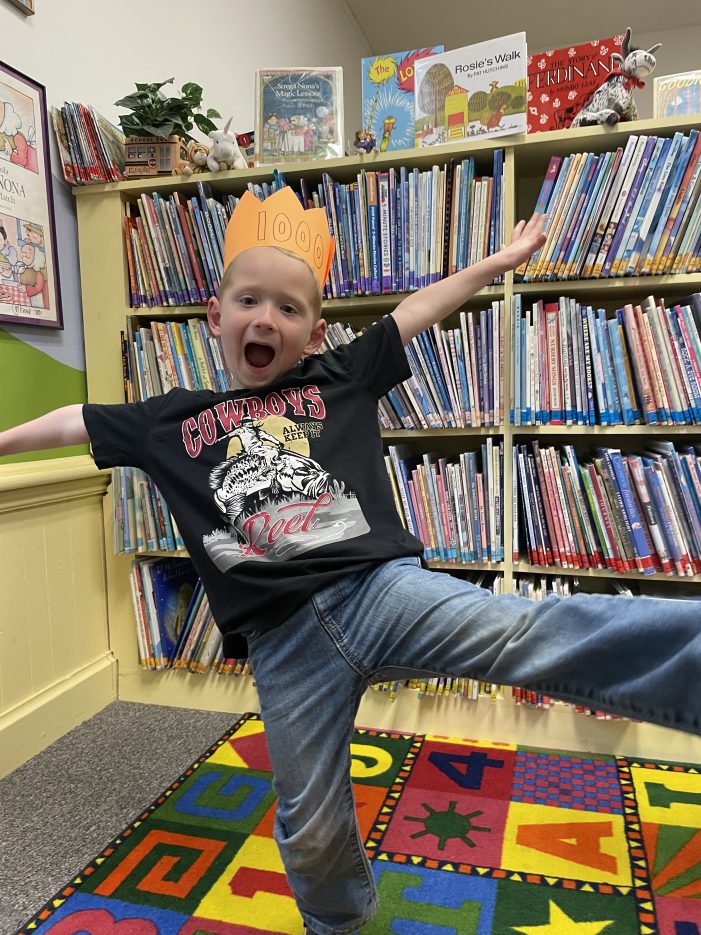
(146, 156)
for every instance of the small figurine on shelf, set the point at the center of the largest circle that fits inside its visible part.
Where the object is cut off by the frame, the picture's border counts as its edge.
(196, 158)
(225, 152)
(613, 100)
(365, 143)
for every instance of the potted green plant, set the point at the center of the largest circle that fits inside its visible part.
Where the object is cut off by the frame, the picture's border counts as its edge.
(158, 127)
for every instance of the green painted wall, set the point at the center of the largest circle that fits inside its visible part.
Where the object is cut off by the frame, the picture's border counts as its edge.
(31, 384)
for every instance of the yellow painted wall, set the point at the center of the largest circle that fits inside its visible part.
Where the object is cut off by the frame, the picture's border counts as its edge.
(56, 668)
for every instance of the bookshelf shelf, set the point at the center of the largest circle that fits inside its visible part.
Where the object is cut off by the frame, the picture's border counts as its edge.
(464, 566)
(632, 286)
(525, 568)
(343, 169)
(105, 291)
(440, 566)
(382, 304)
(367, 305)
(531, 152)
(620, 431)
(400, 434)
(161, 553)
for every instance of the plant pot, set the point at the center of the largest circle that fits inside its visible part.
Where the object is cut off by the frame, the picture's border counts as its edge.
(146, 156)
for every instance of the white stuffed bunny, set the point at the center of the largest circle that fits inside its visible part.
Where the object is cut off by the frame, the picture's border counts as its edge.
(225, 152)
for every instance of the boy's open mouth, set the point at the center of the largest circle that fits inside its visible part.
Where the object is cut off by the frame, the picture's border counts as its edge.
(258, 355)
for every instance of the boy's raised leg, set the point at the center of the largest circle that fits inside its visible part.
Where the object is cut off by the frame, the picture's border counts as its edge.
(639, 657)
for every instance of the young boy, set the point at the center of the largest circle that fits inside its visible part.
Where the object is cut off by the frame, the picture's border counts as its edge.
(281, 494)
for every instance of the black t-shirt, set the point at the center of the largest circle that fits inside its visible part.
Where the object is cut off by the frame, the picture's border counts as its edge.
(277, 492)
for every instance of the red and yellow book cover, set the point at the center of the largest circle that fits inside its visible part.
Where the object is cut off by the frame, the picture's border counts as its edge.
(560, 81)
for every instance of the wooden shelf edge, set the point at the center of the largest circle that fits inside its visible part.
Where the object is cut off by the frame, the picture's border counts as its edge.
(397, 434)
(360, 304)
(616, 430)
(636, 284)
(523, 568)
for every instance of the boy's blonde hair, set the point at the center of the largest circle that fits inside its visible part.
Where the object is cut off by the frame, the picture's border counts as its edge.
(315, 291)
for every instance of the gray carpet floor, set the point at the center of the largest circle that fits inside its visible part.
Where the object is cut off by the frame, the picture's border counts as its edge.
(62, 807)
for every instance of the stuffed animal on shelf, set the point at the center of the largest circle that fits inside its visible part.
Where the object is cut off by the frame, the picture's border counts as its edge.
(225, 152)
(613, 100)
(196, 158)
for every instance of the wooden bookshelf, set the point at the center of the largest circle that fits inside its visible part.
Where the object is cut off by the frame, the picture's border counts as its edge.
(105, 291)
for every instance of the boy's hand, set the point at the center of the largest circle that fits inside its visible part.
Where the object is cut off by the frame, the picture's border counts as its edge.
(528, 236)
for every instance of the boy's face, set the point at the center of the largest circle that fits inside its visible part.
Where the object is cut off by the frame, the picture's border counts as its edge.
(265, 316)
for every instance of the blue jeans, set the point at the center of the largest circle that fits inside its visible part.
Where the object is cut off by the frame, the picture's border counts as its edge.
(637, 657)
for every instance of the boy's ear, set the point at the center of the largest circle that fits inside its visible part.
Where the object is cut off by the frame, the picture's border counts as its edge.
(214, 316)
(316, 337)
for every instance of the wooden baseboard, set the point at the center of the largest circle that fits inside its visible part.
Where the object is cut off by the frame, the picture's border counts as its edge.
(189, 690)
(32, 725)
(501, 721)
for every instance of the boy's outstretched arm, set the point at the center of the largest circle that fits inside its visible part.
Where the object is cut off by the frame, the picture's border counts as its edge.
(435, 302)
(61, 427)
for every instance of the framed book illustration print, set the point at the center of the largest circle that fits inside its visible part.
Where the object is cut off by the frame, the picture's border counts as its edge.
(29, 285)
(677, 95)
(299, 114)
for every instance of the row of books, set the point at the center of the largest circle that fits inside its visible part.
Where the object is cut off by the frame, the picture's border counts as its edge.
(623, 512)
(454, 506)
(632, 212)
(165, 354)
(142, 519)
(90, 147)
(402, 229)
(396, 231)
(574, 365)
(175, 628)
(175, 247)
(456, 374)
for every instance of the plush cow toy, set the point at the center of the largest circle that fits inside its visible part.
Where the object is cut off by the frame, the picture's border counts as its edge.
(613, 100)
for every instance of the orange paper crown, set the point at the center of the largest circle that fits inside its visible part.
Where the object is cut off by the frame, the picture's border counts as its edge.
(281, 221)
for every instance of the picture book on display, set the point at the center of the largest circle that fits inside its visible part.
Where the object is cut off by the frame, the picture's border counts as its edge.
(388, 97)
(299, 114)
(676, 95)
(477, 90)
(560, 81)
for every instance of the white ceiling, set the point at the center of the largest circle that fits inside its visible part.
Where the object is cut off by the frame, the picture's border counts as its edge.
(409, 24)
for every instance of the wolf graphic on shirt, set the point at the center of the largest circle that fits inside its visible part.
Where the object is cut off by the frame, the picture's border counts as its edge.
(276, 501)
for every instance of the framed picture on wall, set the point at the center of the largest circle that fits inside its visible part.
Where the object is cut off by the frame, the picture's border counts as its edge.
(29, 284)
(26, 6)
